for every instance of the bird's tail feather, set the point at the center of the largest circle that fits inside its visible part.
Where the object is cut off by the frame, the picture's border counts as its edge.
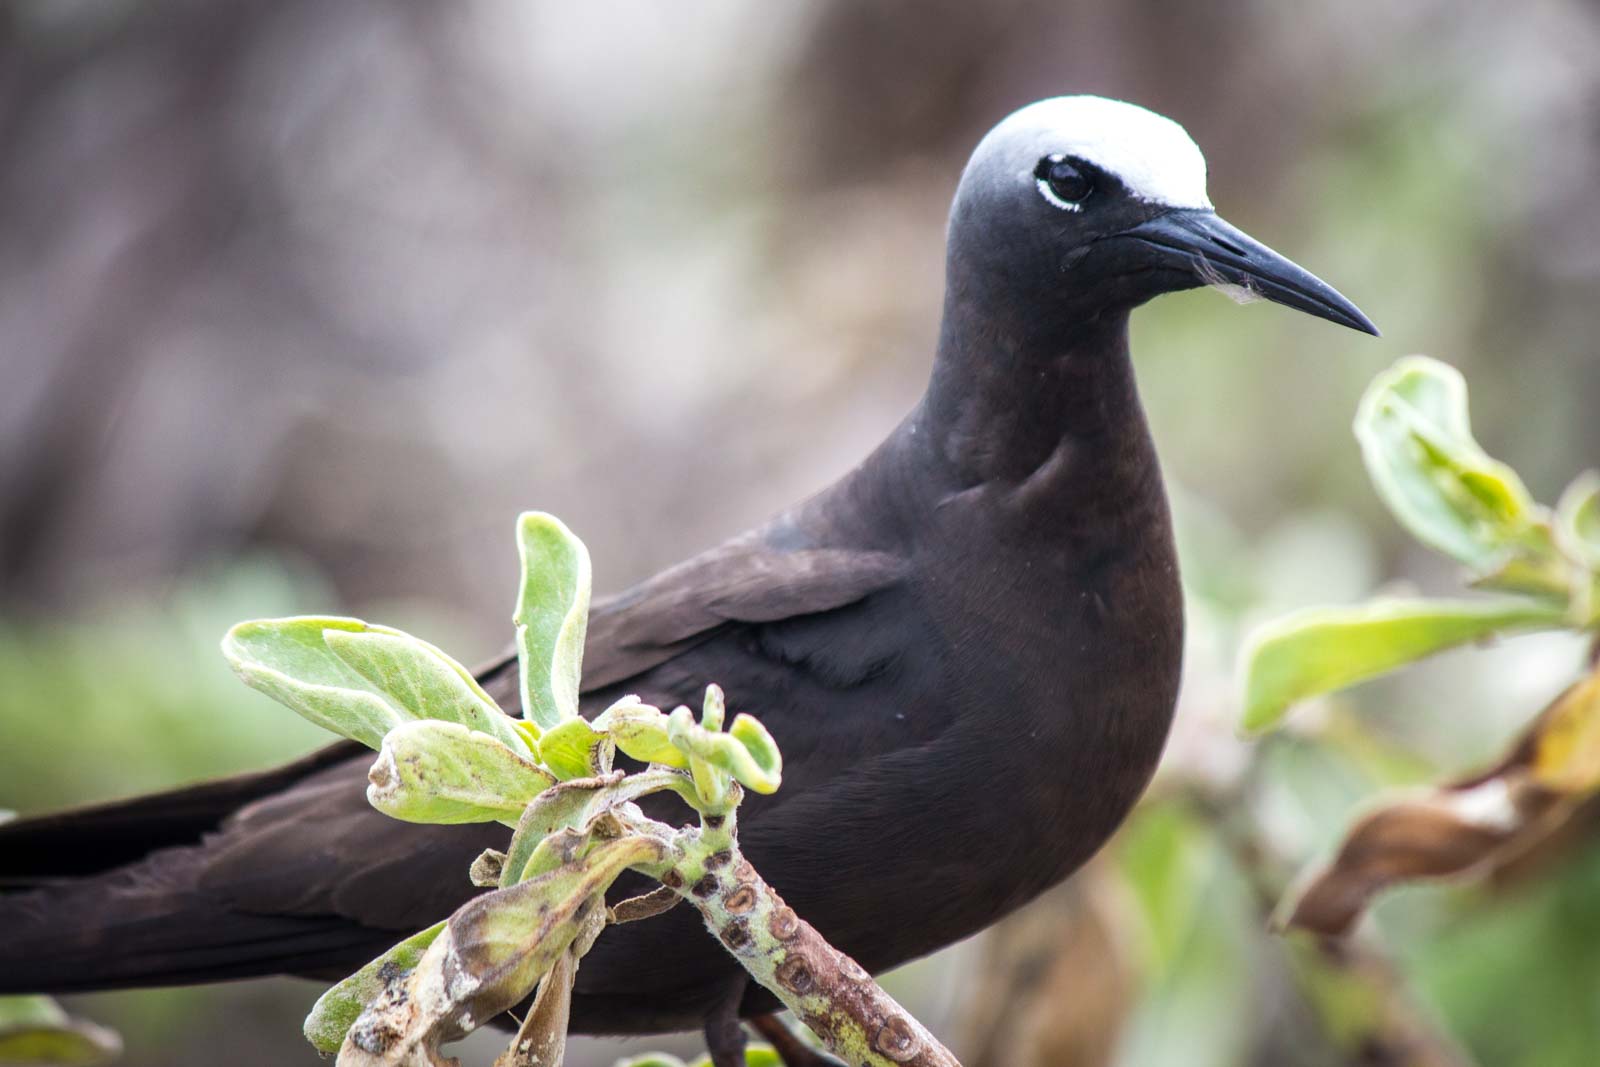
(87, 841)
(150, 925)
(108, 897)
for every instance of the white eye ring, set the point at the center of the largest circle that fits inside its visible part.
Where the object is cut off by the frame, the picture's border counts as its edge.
(1049, 195)
(1073, 172)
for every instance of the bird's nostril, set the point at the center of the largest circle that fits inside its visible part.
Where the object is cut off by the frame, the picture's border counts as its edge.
(1227, 246)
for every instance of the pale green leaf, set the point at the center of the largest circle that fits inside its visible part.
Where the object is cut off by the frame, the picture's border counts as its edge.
(338, 1008)
(711, 783)
(714, 709)
(576, 803)
(508, 938)
(552, 617)
(424, 682)
(360, 680)
(1578, 519)
(640, 730)
(443, 772)
(575, 749)
(564, 846)
(746, 751)
(1417, 442)
(1578, 533)
(760, 765)
(289, 660)
(1324, 649)
(568, 804)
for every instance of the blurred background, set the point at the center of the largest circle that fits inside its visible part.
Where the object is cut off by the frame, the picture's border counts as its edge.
(301, 302)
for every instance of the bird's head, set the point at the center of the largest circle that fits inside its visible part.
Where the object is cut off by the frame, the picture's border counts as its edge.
(1080, 205)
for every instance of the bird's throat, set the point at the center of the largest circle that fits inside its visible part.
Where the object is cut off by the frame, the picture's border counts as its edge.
(1008, 400)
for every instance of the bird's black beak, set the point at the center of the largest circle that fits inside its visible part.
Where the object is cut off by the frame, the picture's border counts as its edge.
(1219, 252)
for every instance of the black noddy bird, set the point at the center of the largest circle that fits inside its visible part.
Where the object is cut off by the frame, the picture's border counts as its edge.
(968, 648)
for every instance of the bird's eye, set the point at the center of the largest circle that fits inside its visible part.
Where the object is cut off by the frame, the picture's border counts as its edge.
(1063, 181)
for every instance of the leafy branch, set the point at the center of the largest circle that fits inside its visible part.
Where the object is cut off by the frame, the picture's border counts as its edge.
(448, 754)
(1540, 570)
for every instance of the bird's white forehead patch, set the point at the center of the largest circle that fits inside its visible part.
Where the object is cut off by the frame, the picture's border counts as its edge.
(1150, 154)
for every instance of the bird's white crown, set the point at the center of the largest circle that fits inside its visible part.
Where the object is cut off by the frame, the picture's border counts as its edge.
(1152, 155)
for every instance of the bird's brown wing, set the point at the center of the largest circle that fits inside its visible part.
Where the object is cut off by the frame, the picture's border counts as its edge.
(742, 582)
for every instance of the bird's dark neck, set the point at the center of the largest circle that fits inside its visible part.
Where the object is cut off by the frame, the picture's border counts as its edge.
(1012, 392)
(1036, 423)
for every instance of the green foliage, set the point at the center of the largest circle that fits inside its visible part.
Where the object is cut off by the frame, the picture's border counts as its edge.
(337, 1009)
(552, 617)
(508, 939)
(360, 681)
(1488, 822)
(431, 771)
(1577, 532)
(35, 1030)
(448, 754)
(1453, 497)
(641, 732)
(1193, 915)
(289, 661)
(1320, 650)
(1516, 974)
(140, 676)
(575, 749)
(746, 752)
(1417, 441)
(422, 681)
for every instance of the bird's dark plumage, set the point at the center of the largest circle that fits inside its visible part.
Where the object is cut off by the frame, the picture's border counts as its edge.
(968, 648)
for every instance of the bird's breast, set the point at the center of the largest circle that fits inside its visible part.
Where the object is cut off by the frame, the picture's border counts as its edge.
(1066, 648)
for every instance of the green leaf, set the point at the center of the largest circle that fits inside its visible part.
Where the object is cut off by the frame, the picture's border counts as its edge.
(289, 660)
(490, 956)
(711, 783)
(568, 804)
(360, 680)
(507, 939)
(443, 772)
(541, 1040)
(576, 803)
(1578, 519)
(747, 751)
(337, 1009)
(35, 1030)
(423, 681)
(640, 730)
(575, 749)
(1323, 649)
(1417, 442)
(1577, 528)
(552, 617)
(759, 765)
(565, 846)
